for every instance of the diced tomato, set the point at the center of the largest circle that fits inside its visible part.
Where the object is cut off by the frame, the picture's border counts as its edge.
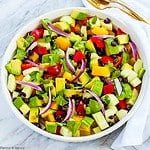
(54, 71)
(122, 104)
(108, 89)
(76, 29)
(59, 115)
(40, 50)
(80, 109)
(78, 56)
(119, 31)
(26, 66)
(117, 61)
(98, 42)
(82, 22)
(106, 59)
(37, 33)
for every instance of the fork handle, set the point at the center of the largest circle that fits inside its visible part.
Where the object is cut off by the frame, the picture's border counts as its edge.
(137, 15)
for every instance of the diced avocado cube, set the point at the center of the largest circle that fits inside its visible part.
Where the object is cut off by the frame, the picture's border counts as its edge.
(134, 97)
(14, 67)
(123, 38)
(89, 85)
(90, 46)
(94, 106)
(114, 108)
(11, 84)
(74, 37)
(100, 120)
(108, 26)
(43, 43)
(34, 115)
(70, 92)
(29, 39)
(78, 14)
(84, 78)
(121, 113)
(65, 131)
(68, 19)
(27, 91)
(52, 59)
(61, 100)
(24, 109)
(126, 73)
(18, 102)
(126, 66)
(109, 113)
(127, 90)
(51, 127)
(84, 32)
(97, 87)
(88, 110)
(59, 84)
(138, 65)
(79, 45)
(45, 23)
(96, 130)
(35, 102)
(94, 21)
(62, 25)
(22, 43)
(110, 99)
(21, 54)
(141, 73)
(135, 82)
(111, 50)
(87, 121)
(125, 57)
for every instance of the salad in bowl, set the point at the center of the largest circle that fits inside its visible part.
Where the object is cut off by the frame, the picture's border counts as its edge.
(75, 75)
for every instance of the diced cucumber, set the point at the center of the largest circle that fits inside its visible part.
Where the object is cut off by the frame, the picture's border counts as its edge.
(132, 76)
(96, 130)
(121, 113)
(97, 87)
(15, 94)
(51, 127)
(110, 99)
(65, 131)
(18, 102)
(27, 90)
(87, 121)
(138, 65)
(133, 99)
(11, 84)
(126, 66)
(24, 109)
(118, 86)
(141, 73)
(135, 82)
(109, 113)
(100, 120)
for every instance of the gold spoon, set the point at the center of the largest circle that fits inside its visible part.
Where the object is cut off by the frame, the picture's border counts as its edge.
(120, 2)
(105, 5)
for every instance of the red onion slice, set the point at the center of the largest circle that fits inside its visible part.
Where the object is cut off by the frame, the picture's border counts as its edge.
(45, 109)
(68, 62)
(57, 30)
(69, 111)
(73, 107)
(31, 84)
(103, 36)
(32, 63)
(134, 50)
(97, 98)
(83, 66)
(32, 46)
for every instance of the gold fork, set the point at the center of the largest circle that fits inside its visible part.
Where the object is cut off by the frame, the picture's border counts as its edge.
(101, 4)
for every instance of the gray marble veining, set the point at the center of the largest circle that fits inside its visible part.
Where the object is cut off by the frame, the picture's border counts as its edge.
(13, 133)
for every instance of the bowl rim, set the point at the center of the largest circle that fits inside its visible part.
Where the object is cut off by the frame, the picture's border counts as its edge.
(54, 136)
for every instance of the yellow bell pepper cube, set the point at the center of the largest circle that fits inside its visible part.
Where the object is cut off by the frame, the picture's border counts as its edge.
(54, 105)
(34, 57)
(77, 118)
(67, 75)
(60, 84)
(99, 30)
(101, 71)
(84, 130)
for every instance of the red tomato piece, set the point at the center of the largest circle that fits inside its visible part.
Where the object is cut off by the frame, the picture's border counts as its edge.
(40, 50)
(119, 31)
(37, 33)
(106, 59)
(98, 42)
(117, 61)
(78, 56)
(122, 104)
(26, 66)
(80, 109)
(108, 89)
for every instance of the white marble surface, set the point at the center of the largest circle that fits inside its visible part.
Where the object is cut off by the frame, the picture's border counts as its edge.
(13, 15)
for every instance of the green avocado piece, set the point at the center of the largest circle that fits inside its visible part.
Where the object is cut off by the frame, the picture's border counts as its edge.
(94, 106)
(63, 26)
(22, 43)
(68, 19)
(74, 37)
(97, 87)
(141, 73)
(14, 67)
(94, 21)
(29, 39)
(11, 83)
(79, 45)
(61, 100)
(52, 59)
(21, 54)
(18, 102)
(88, 110)
(90, 46)
(125, 57)
(133, 99)
(89, 84)
(112, 50)
(43, 43)
(34, 115)
(127, 90)
(138, 65)
(123, 38)
(51, 127)
(35, 102)
(78, 14)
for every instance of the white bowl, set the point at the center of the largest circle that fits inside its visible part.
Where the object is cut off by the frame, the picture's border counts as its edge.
(52, 15)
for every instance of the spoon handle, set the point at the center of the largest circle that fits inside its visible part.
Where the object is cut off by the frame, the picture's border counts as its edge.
(136, 14)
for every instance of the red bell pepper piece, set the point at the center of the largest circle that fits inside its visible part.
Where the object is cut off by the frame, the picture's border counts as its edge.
(54, 71)
(37, 33)
(108, 89)
(98, 42)
(40, 50)
(119, 31)
(78, 56)
(117, 61)
(26, 66)
(80, 109)
(122, 104)
(106, 59)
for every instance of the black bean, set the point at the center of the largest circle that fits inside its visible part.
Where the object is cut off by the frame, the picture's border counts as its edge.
(100, 51)
(71, 57)
(22, 94)
(125, 80)
(107, 21)
(120, 79)
(30, 52)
